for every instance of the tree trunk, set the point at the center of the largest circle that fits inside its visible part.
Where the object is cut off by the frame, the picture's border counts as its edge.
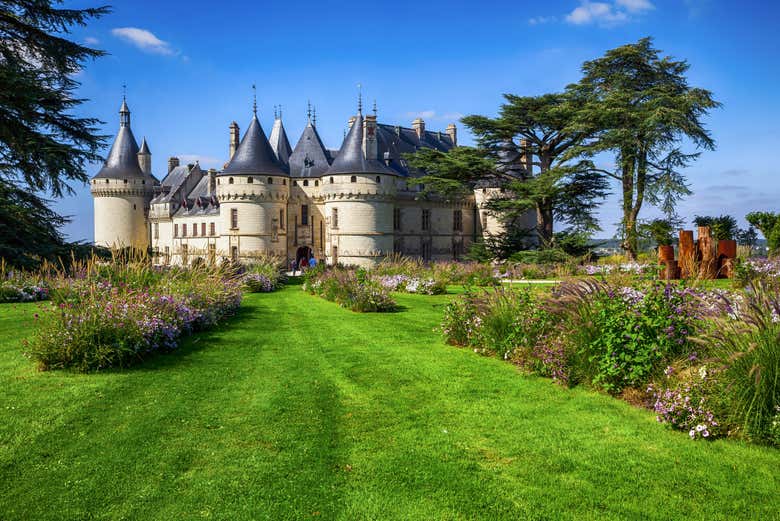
(544, 223)
(630, 242)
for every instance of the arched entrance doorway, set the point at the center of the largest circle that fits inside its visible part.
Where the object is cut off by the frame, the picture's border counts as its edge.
(302, 256)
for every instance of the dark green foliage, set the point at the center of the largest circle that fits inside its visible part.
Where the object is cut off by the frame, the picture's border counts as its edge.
(640, 106)
(660, 231)
(747, 237)
(43, 146)
(769, 225)
(723, 227)
(636, 338)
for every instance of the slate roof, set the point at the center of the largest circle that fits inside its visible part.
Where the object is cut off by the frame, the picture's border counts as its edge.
(198, 200)
(279, 142)
(310, 157)
(393, 141)
(171, 184)
(254, 154)
(122, 160)
(351, 160)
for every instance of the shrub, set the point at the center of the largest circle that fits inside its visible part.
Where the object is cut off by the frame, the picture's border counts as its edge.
(263, 274)
(351, 289)
(746, 342)
(96, 325)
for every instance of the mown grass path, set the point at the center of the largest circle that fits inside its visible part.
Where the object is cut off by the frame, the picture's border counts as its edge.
(299, 409)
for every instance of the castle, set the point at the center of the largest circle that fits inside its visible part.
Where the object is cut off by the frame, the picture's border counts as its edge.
(354, 205)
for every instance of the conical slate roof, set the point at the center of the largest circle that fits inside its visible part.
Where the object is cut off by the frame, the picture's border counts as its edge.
(310, 157)
(144, 148)
(122, 161)
(350, 159)
(254, 154)
(279, 142)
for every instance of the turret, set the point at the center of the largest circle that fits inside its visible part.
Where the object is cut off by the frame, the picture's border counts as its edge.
(145, 158)
(359, 192)
(122, 190)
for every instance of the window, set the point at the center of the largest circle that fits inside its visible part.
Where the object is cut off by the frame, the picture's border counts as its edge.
(295, 183)
(305, 215)
(378, 179)
(175, 230)
(284, 182)
(316, 183)
(270, 180)
(353, 179)
(234, 253)
(398, 245)
(426, 219)
(106, 181)
(305, 182)
(156, 230)
(281, 219)
(250, 180)
(167, 255)
(234, 219)
(396, 218)
(125, 180)
(322, 234)
(457, 250)
(426, 250)
(457, 220)
(334, 218)
(203, 229)
(212, 229)
(194, 229)
(484, 220)
(134, 207)
(212, 253)
(184, 230)
(230, 180)
(331, 180)
(185, 254)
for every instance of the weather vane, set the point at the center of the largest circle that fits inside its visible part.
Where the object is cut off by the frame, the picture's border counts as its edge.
(254, 97)
(124, 91)
(360, 98)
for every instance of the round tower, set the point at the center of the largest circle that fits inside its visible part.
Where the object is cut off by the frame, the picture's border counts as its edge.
(253, 190)
(122, 191)
(359, 193)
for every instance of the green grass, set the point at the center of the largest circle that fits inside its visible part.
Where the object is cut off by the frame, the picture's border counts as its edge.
(300, 409)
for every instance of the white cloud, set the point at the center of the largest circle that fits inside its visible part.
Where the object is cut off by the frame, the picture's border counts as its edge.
(539, 20)
(636, 6)
(203, 161)
(424, 114)
(144, 40)
(596, 12)
(90, 40)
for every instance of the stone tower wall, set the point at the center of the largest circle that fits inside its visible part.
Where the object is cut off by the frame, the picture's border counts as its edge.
(120, 212)
(258, 204)
(364, 232)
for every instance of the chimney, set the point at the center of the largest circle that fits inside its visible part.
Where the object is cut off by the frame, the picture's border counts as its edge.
(234, 138)
(419, 126)
(212, 188)
(527, 156)
(452, 131)
(173, 162)
(369, 137)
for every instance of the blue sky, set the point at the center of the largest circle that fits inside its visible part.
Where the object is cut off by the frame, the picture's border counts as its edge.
(189, 67)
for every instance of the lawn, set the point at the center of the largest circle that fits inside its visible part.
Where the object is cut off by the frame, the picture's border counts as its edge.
(299, 409)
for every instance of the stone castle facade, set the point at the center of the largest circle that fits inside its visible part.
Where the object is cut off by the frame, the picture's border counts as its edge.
(355, 205)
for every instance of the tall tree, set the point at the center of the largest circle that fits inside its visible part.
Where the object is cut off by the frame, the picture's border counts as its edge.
(555, 187)
(44, 147)
(640, 106)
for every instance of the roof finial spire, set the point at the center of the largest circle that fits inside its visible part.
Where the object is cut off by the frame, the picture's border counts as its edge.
(360, 98)
(275, 114)
(374, 109)
(254, 99)
(280, 111)
(314, 116)
(124, 91)
(308, 110)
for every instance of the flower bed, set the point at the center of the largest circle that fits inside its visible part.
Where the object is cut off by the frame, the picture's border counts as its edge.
(264, 275)
(94, 323)
(707, 362)
(407, 284)
(22, 291)
(351, 289)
